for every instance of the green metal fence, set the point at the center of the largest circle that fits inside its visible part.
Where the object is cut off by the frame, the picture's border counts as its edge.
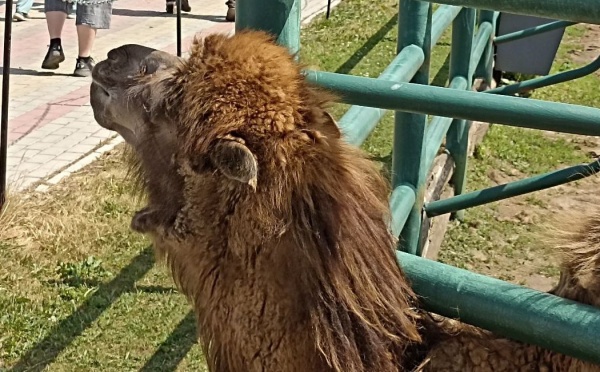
(506, 309)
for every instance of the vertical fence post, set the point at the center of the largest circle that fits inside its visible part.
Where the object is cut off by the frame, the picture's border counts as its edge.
(5, 100)
(460, 58)
(278, 17)
(485, 67)
(178, 28)
(408, 160)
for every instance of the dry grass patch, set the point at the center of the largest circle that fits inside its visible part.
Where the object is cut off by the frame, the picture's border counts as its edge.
(81, 289)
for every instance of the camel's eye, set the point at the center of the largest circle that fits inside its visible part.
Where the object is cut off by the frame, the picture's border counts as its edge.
(143, 69)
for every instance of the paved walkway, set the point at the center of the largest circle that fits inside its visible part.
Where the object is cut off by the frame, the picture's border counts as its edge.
(52, 131)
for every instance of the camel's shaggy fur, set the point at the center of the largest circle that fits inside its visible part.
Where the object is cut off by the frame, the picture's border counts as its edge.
(579, 248)
(455, 346)
(276, 229)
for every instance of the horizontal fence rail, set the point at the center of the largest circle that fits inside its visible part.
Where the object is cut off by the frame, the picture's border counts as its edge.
(506, 309)
(544, 81)
(508, 190)
(584, 11)
(416, 98)
(532, 31)
(402, 69)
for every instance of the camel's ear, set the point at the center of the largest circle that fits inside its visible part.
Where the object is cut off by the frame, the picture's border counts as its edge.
(157, 61)
(332, 125)
(158, 67)
(328, 129)
(235, 161)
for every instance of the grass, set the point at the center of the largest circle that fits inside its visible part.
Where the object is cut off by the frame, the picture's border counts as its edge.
(81, 291)
(82, 287)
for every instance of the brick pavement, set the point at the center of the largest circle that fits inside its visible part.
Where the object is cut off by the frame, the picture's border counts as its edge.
(52, 131)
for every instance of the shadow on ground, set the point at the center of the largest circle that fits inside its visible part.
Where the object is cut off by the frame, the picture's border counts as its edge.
(156, 13)
(361, 52)
(172, 351)
(25, 71)
(45, 352)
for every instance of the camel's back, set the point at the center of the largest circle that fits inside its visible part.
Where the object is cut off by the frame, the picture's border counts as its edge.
(480, 351)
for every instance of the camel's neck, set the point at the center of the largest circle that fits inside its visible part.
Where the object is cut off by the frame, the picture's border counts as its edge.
(252, 308)
(309, 262)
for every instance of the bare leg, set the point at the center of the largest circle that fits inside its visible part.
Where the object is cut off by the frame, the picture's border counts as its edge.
(85, 36)
(55, 22)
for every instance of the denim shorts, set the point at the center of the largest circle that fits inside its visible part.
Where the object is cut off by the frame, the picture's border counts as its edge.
(96, 16)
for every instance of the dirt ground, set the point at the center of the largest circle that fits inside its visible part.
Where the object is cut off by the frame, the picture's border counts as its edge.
(591, 46)
(552, 210)
(579, 197)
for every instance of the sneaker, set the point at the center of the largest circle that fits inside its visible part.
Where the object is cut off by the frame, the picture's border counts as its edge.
(84, 68)
(71, 15)
(53, 58)
(230, 17)
(19, 17)
(170, 7)
(185, 6)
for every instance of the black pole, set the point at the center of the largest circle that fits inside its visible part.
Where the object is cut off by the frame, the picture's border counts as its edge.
(5, 91)
(178, 28)
(328, 8)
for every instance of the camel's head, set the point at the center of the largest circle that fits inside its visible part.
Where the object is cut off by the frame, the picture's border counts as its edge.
(114, 93)
(237, 107)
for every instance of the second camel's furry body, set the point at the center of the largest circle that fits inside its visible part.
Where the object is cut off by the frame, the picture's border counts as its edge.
(455, 346)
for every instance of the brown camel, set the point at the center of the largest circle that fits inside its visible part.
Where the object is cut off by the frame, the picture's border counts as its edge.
(273, 227)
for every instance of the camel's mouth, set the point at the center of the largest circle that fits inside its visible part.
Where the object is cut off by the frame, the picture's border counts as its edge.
(97, 88)
(99, 96)
(103, 91)
(100, 100)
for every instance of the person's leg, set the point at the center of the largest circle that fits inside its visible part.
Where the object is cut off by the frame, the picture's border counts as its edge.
(89, 18)
(55, 20)
(85, 38)
(56, 14)
(23, 8)
(230, 17)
